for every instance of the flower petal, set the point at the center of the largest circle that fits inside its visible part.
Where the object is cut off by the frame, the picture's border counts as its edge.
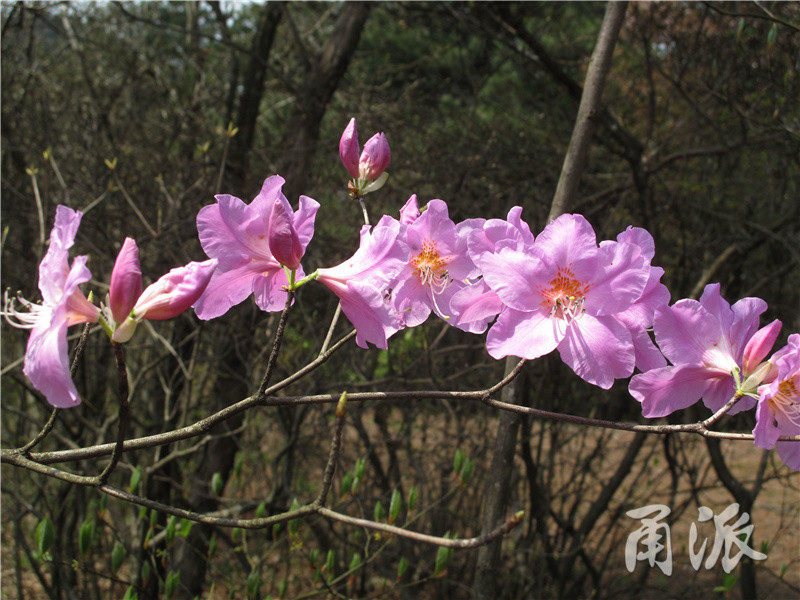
(663, 391)
(598, 349)
(525, 334)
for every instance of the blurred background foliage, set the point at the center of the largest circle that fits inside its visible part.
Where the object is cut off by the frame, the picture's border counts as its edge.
(698, 142)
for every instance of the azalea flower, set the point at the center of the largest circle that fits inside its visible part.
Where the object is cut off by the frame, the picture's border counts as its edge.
(244, 239)
(438, 264)
(562, 292)
(778, 410)
(638, 317)
(476, 305)
(169, 296)
(367, 167)
(362, 282)
(63, 304)
(706, 343)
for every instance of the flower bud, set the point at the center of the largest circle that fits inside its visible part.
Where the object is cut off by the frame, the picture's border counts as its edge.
(348, 148)
(375, 158)
(174, 292)
(126, 281)
(759, 346)
(284, 243)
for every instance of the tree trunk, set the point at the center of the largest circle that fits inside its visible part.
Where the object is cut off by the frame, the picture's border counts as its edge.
(315, 94)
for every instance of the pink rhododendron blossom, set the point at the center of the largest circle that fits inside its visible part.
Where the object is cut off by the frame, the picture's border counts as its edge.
(778, 410)
(638, 318)
(174, 292)
(562, 292)
(705, 343)
(476, 305)
(284, 243)
(240, 237)
(362, 282)
(368, 166)
(438, 265)
(46, 358)
(126, 281)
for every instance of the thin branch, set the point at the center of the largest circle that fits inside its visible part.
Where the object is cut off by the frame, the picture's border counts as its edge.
(119, 353)
(276, 346)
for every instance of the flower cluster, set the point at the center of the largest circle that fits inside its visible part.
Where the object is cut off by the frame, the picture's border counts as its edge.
(596, 303)
(63, 304)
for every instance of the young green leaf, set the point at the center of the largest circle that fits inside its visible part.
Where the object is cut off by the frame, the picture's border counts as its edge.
(45, 533)
(117, 556)
(394, 506)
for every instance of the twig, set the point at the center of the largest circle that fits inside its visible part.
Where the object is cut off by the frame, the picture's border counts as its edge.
(132, 204)
(332, 326)
(123, 413)
(276, 346)
(39, 211)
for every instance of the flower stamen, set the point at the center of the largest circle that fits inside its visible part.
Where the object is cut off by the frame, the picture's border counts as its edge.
(787, 401)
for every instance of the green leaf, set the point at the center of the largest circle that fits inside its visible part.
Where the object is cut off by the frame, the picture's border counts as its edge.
(412, 498)
(171, 584)
(282, 588)
(466, 470)
(117, 556)
(378, 512)
(261, 510)
(145, 571)
(186, 527)
(130, 594)
(238, 464)
(442, 558)
(361, 464)
(355, 562)
(347, 481)
(217, 483)
(772, 36)
(45, 533)
(395, 505)
(172, 524)
(253, 583)
(330, 563)
(294, 523)
(458, 460)
(136, 478)
(212, 546)
(86, 537)
(402, 567)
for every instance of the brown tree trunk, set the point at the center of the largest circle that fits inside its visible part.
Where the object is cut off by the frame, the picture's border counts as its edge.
(315, 94)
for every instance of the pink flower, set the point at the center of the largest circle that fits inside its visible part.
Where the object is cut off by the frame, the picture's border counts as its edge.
(46, 358)
(368, 167)
(778, 410)
(705, 343)
(168, 297)
(126, 281)
(242, 238)
(437, 267)
(362, 282)
(476, 305)
(174, 292)
(284, 243)
(562, 291)
(638, 317)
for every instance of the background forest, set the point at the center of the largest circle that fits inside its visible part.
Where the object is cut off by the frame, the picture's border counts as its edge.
(139, 113)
